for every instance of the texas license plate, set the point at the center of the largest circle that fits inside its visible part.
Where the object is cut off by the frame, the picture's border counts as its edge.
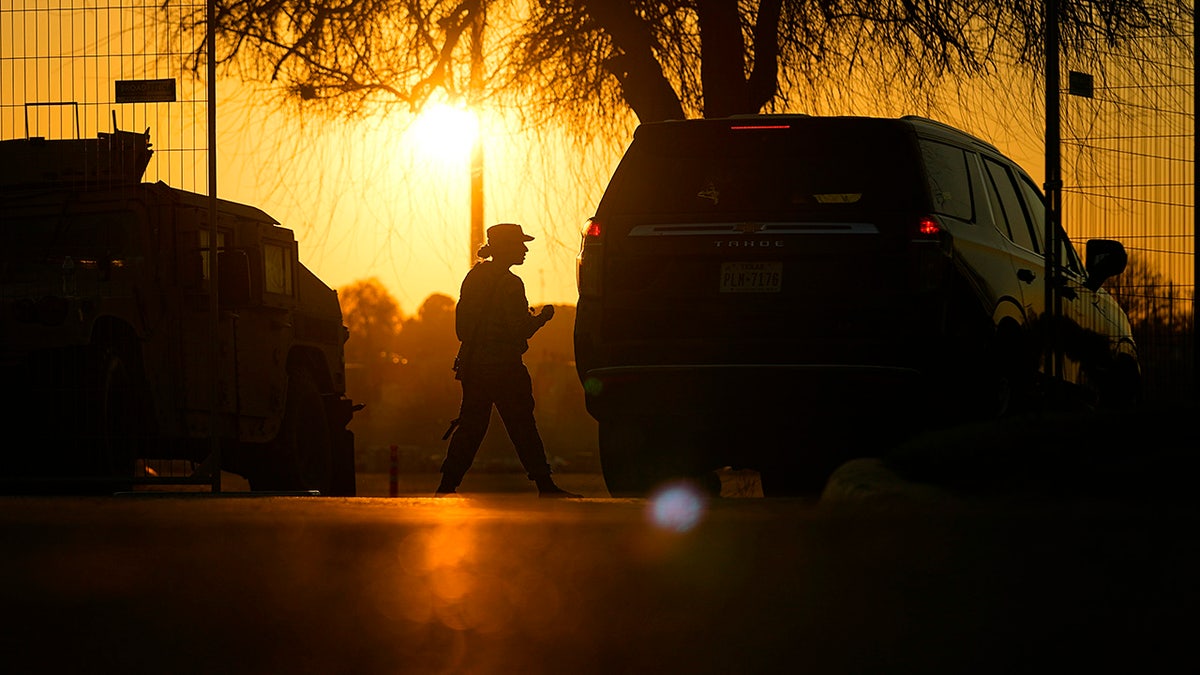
(751, 277)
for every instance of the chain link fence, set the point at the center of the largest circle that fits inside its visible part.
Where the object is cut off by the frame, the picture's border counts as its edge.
(97, 74)
(1129, 170)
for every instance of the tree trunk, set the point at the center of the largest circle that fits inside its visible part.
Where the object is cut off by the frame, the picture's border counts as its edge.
(722, 60)
(640, 75)
(764, 79)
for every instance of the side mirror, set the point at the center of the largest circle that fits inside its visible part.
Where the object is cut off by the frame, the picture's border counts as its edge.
(1105, 258)
(233, 279)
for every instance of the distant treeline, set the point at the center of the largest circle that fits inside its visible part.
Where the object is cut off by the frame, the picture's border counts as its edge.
(1164, 327)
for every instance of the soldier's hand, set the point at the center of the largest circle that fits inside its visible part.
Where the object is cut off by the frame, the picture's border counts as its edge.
(547, 313)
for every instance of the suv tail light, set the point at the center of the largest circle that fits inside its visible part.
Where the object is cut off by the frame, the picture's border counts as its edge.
(928, 226)
(931, 230)
(590, 262)
(931, 248)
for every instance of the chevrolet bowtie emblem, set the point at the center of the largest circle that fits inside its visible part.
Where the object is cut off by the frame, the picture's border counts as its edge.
(749, 228)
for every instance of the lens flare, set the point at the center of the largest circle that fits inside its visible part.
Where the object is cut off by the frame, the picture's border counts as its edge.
(677, 506)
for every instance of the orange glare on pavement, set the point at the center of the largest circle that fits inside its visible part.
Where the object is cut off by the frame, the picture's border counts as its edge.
(444, 575)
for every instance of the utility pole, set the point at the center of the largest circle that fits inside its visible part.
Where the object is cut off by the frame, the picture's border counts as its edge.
(474, 95)
(1053, 190)
(210, 45)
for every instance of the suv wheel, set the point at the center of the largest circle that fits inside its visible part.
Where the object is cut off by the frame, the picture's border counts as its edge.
(1006, 377)
(624, 443)
(1120, 388)
(638, 454)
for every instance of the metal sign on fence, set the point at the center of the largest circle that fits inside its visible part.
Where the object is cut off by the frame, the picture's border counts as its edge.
(145, 91)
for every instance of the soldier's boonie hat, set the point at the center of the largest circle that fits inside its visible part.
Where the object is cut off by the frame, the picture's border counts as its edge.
(506, 233)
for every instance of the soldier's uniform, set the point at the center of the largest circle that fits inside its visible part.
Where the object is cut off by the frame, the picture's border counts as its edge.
(494, 323)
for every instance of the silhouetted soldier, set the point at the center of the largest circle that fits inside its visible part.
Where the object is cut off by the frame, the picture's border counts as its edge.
(494, 323)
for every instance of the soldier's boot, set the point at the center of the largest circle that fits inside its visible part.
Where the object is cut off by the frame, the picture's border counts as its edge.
(448, 486)
(547, 488)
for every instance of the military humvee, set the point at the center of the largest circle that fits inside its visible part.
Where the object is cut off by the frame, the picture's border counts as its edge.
(113, 349)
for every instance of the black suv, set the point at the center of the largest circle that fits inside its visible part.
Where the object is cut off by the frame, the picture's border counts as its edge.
(784, 292)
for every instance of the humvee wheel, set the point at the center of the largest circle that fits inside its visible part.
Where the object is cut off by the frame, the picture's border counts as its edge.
(111, 435)
(300, 458)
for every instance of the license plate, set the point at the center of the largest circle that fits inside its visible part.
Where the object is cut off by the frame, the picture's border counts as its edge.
(751, 277)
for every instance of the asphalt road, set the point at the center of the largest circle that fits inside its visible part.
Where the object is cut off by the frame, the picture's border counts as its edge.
(502, 582)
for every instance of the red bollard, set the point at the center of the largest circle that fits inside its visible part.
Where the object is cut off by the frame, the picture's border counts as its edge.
(394, 473)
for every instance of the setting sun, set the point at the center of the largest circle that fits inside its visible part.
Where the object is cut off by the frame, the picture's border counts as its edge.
(444, 132)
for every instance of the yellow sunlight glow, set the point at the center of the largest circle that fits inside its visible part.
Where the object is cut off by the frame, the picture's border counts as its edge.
(444, 132)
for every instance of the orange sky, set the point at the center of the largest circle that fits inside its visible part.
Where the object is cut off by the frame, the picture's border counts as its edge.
(368, 199)
(374, 198)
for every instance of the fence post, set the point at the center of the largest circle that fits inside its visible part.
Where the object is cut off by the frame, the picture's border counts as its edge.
(394, 472)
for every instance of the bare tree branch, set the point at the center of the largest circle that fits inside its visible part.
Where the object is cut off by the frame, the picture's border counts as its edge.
(584, 64)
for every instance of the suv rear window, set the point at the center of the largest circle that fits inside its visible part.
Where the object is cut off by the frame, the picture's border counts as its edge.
(949, 179)
(803, 168)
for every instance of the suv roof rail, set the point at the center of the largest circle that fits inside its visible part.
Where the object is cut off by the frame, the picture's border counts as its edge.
(953, 129)
(740, 116)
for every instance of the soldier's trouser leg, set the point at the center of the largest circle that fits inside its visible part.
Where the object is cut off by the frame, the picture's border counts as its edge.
(473, 418)
(515, 403)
